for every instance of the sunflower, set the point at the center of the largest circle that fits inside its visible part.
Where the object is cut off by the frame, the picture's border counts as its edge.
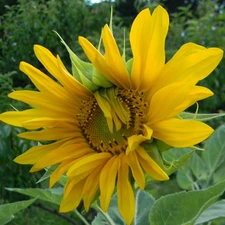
(100, 119)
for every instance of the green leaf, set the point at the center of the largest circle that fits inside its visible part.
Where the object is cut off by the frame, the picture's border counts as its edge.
(192, 174)
(197, 166)
(214, 154)
(53, 195)
(184, 179)
(185, 207)
(7, 211)
(217, 210)
(144, 202)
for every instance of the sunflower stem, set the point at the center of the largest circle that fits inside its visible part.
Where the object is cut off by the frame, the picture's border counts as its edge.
(81, 217)
(107, 217)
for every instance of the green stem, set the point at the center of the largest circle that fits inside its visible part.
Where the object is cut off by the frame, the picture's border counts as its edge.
(81, 217)
(107, 217)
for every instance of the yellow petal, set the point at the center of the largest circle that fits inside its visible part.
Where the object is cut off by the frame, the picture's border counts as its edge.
(181, 133)
(114, 60)
(156, 52)
(48, 60)
(42, 81)
(150, 166)
(59, 171)
(89, 162)
(50, 134)
(107, 181)
(16, 118)
(136, 169)
(33, 154)
(147, 39)
(91, 187)
(97, 59)
(196, 94)
(140, 28)
(195, 65)
(73, 151)
(73, 197)
(47, 123)
(126, 202)
(135, 140)
(166, 100)
(45, 100)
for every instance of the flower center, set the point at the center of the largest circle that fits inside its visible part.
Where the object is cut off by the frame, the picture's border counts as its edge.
(109, 119)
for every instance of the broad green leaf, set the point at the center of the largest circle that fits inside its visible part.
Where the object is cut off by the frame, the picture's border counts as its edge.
(200, 117)
(214, 154)
(185, 207)
(7, 211)
(144, 202)
(217, 210)
(192, 174)
(184, 179)
(197, 166)
(53, 195)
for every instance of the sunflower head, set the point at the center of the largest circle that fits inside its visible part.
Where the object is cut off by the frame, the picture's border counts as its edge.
(105, 118)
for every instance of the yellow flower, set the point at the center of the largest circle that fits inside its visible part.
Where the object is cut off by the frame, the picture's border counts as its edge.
(100, 117)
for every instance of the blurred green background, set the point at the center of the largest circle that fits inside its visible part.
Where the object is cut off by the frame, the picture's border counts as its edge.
(24, 23)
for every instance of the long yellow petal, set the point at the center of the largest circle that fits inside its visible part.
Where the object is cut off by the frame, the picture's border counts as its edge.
(196, 94)
(42, 81)
(150, 166)
(140, 28)
(156, 52)
(73, 198)
(107, 181)
(91, 186)
(50, 134)
(166, 100)
(195, 65)
(136, 169)
(35, 153)
(181, 133)
(40, 99)
(74, 151)
(147, 37)
(126, 202)
(16, 118)
(88, 162)
(48, 60)
(47, 122)
(97, 59)
(114, 60)
(59, 171)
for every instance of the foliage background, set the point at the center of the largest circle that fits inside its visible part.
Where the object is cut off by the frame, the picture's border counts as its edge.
(25, 23)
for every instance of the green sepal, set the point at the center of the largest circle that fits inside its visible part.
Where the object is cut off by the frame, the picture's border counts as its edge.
(81, 70)
(176, 158)
(129, 64)
(171, 159)
(199, 117)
